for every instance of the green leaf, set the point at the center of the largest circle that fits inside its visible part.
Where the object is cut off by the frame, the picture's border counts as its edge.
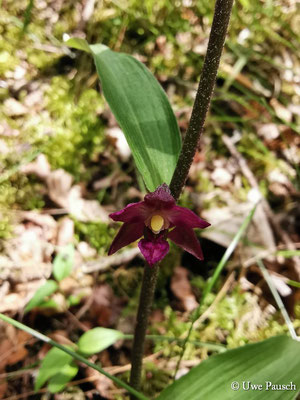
(142, 110)
(52, 364)
(59, 381)
(48, 304)
(288, 253)
(98, 339)
(275, 360)
(46, 290)
(78, 43)
(63, 263)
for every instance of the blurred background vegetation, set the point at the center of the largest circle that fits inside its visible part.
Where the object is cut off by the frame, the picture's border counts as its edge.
(64, 166)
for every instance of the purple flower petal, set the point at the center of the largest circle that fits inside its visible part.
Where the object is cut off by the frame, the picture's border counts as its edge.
(186, 239)
(134, 212)
(180, 216)
(161, 198)
(128, 233)
(154, 250)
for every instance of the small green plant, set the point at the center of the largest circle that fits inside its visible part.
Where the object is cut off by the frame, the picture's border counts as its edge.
(58, 368)
(62, 267)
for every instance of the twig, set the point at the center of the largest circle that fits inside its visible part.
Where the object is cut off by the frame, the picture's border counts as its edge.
(104, 263)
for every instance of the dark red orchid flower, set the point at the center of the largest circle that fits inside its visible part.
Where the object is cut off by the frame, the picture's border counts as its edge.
(158, 218)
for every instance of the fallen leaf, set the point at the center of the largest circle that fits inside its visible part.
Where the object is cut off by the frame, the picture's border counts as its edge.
(120, 142)
(268, 131)
(45, 221)
(281, 111)
(12, 349)
(106, 307)
(86, 250)
(40, 167)
(65, 231)
(70, 197)
(181, 288)
(226, 221)
(221, 176)
(102, 384)
(14, 108)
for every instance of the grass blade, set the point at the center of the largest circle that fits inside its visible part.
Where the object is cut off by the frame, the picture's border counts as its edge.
(278, 300)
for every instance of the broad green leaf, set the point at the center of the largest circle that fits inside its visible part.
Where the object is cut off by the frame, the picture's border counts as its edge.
(275, 360)
(98, 339)
(46, 290)
(142, 110)
(59, 381)
(63, 263)
(52, 364)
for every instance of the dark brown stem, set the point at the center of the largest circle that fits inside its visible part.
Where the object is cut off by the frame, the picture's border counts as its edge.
(189, 147)
(204, 94)
(145, 303)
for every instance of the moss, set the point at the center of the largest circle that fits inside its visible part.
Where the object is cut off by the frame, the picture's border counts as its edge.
(69, 131)
(5, 226)
(98, 235)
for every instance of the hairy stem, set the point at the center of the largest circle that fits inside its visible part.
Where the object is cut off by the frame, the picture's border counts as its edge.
(145, 303)
(204, 94)
(189, 147)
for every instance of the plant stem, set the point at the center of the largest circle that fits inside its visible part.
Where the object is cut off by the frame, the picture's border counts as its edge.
(203, 96)
(189, 147)
(145, 303)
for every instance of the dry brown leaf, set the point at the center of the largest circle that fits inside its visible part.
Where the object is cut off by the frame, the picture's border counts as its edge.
(3, 388)
(29, 244)
(226, 221)
(8, 131)
(281, 111)
(106, 306)
(12, 349)
(45, 221)
(113, 179)
(221, 176)
(14, 108)
(181, 288)
(65, 231)
(17, 300)
(65, 195)
(120, 142)
(40, 167)
(268, 131)
(103, 384)
(70, 197)
(86, 251)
